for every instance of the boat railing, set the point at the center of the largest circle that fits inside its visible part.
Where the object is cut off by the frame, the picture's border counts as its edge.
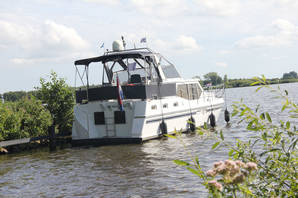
(128, 50)
(218, 90)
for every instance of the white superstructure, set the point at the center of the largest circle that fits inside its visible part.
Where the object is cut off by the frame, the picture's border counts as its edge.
(156, 100)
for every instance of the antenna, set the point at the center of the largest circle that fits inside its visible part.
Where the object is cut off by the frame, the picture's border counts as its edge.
(123, 41)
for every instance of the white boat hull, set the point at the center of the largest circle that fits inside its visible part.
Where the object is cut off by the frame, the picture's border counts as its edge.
(142, 118)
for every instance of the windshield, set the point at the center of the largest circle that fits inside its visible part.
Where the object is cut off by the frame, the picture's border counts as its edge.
(170, 71)
(134, 73)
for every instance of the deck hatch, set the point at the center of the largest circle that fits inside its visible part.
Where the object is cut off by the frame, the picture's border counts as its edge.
(119, 117)
(99, 118)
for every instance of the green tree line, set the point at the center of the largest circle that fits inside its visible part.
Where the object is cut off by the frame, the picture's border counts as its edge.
(29, 114)
(213, 79)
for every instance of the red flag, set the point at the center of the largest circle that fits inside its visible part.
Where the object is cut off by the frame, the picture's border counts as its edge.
(120, 95)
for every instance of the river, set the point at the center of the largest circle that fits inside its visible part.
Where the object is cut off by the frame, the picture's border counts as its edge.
(135, 170)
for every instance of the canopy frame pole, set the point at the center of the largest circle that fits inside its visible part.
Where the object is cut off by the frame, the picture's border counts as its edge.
(87, 78)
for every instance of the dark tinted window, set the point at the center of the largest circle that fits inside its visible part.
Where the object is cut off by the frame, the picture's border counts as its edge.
(99, 118)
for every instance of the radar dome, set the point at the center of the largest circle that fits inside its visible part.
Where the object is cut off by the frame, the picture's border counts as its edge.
(117, 45)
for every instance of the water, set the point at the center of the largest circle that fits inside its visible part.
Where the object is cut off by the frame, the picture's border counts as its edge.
(139, 170)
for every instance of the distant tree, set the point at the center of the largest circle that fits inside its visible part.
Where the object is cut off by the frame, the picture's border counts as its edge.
(14, 95)
(213, 77)
(290, 75)
(59, 100)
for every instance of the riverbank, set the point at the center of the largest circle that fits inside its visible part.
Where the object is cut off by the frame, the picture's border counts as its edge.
(234, 83)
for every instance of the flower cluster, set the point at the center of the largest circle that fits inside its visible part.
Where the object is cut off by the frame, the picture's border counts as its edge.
(233, 172)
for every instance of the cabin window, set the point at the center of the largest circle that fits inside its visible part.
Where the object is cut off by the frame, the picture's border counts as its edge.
(176, 104)
(195, 91)
(119, 117)
(182, 91)
(188, 91)
(99, 118)
(165, 105)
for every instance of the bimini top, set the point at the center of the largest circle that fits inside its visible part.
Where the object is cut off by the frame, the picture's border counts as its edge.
(114, 56)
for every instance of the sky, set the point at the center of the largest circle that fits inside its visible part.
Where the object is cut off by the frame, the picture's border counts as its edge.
(240, 38)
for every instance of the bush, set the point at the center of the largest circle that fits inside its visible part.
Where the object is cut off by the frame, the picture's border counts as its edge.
(275, 164)
(59, 100)
(23, 119)
(35, 118)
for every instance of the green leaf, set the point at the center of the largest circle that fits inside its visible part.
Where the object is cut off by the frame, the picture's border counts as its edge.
(215, 145)
(262, 116)
(288, 125)
(221, 135)
(255, 83)
(245, 190)
(286, 92)
(170, 136)
(268, 117)
(231, 152)
(284, 107)
(196, 172)
(181, 163)
(205, 125)
(272, 150)
(258, 89)
(234, 113)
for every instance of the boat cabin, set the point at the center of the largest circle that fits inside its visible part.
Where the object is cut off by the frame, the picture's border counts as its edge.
(140, 72)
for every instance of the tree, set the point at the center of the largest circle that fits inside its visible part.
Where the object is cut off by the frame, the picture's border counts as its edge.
(35, 118)
(213, 77)
(226, 80)
(23, 119)
(14, 95)
(59, 100)
(290, 75)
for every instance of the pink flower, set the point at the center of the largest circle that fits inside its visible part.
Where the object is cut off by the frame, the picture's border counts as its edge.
(217, 164)
(230, 163)
(234, 170)
(211, 173)
(251, 166)
(215, 184)
(240, 163)
(222, 169)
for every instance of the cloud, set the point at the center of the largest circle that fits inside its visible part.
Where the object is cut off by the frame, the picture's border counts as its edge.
(219, 7)
(104, 2)
(288, 3)
(163, 8)
(285, 34)
(39, 42)
(180, 43)
(56, 35)
(14, 34)
(221, 64)
(224, 52)
(186, 43)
